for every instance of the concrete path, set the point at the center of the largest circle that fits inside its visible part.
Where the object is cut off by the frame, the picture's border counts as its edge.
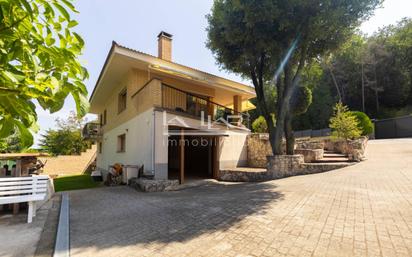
(19, 238)
(362, 210)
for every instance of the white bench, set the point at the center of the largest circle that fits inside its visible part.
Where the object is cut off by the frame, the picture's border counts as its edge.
(24, 189)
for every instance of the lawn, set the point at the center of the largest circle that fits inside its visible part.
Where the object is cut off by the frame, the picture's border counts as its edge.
(74, 182)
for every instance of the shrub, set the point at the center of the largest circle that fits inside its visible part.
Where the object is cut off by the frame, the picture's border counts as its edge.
(259, 125)
(364, 123)
(301, 100)
(343, 123)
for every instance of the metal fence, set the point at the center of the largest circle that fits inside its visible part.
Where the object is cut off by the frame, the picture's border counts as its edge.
(313, 133)
(394, 128)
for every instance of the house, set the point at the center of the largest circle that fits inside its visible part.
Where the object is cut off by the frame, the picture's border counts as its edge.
(178, 121)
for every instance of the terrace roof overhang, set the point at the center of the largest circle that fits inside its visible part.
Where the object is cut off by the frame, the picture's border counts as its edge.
(121, 59)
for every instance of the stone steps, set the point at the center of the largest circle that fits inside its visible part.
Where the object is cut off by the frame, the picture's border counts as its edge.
(332, 160)
(331, 157)
(332, 154)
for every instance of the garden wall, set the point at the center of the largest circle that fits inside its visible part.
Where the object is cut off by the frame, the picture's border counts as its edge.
(258, 147)
(63, 165)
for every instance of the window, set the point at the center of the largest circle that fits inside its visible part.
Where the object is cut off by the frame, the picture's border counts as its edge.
(100, 147)
(121, 143)
(122, 100)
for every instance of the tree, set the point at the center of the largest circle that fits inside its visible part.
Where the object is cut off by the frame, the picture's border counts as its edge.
(38, 63)
(10, 144)
(259, 125)
(67, 138)
(376, 71)
(343, 123)
(300, 102)
(324, 98)
(364, 123)
(265, 39)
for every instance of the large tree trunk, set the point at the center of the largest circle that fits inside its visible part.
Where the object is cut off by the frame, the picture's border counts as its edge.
(276, 136)
(290, 138)
(284, 88)
(276, 131)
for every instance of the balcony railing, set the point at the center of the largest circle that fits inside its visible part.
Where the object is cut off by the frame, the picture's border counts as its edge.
(177, 100)
(92, 131)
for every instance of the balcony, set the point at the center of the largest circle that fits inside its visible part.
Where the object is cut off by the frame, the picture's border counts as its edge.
(172, 99)
(92, 131)
(179, 101)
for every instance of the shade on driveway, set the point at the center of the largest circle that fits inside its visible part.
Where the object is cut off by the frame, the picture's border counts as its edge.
(363, 210)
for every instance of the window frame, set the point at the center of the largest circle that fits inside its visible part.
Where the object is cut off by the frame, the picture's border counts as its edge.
(121, 143)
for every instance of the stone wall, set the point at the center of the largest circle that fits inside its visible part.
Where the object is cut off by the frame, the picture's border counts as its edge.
(243, 175)
(354, 149)
(309, 144)
(292, 165)
(258, 147)
(152, 185)
(310, 155)
(280, 166)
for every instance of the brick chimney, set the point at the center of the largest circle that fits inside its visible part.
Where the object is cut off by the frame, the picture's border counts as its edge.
(164, 41)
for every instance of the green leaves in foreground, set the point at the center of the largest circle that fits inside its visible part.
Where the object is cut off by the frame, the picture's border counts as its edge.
(38, 61)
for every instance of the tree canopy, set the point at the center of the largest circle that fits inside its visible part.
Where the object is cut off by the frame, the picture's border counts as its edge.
(265, 39)
(10, 144)
(38, 63)
(382, 59)
(67, 138)
(343, 123)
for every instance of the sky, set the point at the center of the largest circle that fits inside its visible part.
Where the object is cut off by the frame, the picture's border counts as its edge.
(135, 24)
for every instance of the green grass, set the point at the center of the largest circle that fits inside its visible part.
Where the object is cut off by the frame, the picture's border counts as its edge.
(74, 182)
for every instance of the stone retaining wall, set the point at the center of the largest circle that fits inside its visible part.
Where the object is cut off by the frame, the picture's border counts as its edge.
(243, 175)
(354, 149)
(310, 144)
(312, 168)
(280, 166)
(310, 155)
(258, 147)
(291, 165)
(151, 185)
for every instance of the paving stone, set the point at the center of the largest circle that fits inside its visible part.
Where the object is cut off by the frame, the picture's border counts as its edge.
(361, 210)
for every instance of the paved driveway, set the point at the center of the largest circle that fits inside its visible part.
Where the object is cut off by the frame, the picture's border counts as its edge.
(362, 210)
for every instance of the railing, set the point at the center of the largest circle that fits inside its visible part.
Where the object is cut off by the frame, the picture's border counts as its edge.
(92, 131)
(177, 100)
